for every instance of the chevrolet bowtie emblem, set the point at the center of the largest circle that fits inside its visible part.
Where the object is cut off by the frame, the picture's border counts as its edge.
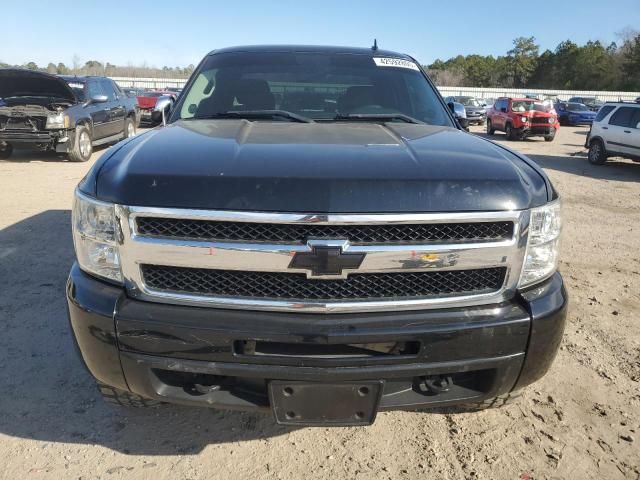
(326, 260)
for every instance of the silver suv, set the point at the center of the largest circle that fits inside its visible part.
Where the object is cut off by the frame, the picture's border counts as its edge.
(615, 132)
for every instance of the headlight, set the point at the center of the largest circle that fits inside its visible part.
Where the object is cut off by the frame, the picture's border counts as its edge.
(541, 259)
(57, 120)
(552, 120)
(95, 237)
(524, 119)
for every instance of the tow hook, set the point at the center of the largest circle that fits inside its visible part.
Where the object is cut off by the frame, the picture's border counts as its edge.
(434, 384)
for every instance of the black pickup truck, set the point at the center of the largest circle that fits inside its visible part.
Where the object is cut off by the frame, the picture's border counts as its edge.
(313, 234)
(66, 114)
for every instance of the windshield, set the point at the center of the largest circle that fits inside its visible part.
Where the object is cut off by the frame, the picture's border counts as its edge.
(468, 101)
(577, 107)
(78, 90)
(318, 86)
(527, 106)
(591, 101)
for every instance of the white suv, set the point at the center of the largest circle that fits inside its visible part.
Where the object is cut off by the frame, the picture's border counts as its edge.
(615, 132)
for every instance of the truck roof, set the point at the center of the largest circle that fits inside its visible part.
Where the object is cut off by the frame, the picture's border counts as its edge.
(311, 49)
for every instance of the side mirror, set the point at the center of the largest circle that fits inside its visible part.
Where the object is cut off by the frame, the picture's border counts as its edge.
(638, 125)
(97, 99)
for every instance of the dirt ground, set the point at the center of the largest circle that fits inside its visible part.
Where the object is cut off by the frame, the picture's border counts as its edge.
(581, 421)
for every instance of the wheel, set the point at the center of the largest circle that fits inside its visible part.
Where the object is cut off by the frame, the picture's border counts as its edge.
(129, 128)
(549, 138)
(122, 398)
(597, 153)
(82, 147)
(5, 151)
(490, 129)
(508, 129)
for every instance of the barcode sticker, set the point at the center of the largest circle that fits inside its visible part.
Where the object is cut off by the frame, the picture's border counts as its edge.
(394, 62)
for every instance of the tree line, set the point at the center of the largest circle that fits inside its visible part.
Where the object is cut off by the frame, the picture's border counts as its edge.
(591, 66)
(94, 67)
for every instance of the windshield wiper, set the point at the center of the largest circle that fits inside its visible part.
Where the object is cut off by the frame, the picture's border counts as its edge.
(385, 117)
(257, 114)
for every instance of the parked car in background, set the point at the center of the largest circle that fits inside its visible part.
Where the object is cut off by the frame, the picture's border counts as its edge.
(520, 118)
(153, 104)
(66, 114)
(592, 103)
(476, 113)
(615, 131)
(460, 113)
(176, 90)
(486, 102)
(570, 113)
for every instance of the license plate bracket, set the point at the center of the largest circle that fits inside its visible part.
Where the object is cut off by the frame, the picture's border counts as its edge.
(337, 404)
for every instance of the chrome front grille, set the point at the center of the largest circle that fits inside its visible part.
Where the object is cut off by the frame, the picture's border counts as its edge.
(244, 259)
(300, 233)
(297, 287)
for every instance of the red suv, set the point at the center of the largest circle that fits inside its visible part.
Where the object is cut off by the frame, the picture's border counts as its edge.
(522, 117)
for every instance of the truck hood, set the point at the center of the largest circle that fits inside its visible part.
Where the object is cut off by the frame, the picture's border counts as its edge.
(344, 167)
(17, 82)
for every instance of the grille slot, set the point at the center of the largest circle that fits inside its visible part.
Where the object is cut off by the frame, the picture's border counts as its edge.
(299, 233)
(540, 120)
(294, 286)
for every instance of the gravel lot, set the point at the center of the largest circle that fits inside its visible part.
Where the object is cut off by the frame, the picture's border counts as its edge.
(581, 421)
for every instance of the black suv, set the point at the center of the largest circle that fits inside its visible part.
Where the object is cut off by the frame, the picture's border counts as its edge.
(67, 114)
(313, 234)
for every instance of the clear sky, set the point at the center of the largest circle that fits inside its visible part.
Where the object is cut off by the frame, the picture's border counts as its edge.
(180, 32)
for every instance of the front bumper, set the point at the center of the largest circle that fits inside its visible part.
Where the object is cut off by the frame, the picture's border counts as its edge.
(58, 139)
(578, 121)
(164, 351)
(478, 120)
(534, 130)
(150, 115)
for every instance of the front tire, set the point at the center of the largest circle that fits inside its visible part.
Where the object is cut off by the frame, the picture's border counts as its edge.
(597, 153)
(122, 398)
(6, 151)
(508, 130)
(82, 146)
(490, 129)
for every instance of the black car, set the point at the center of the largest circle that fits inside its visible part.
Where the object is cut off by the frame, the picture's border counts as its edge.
(67, 114)
(476, 112)
(313, 234)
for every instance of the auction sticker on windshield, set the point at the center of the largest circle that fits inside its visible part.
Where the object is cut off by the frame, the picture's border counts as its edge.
(394, 62)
